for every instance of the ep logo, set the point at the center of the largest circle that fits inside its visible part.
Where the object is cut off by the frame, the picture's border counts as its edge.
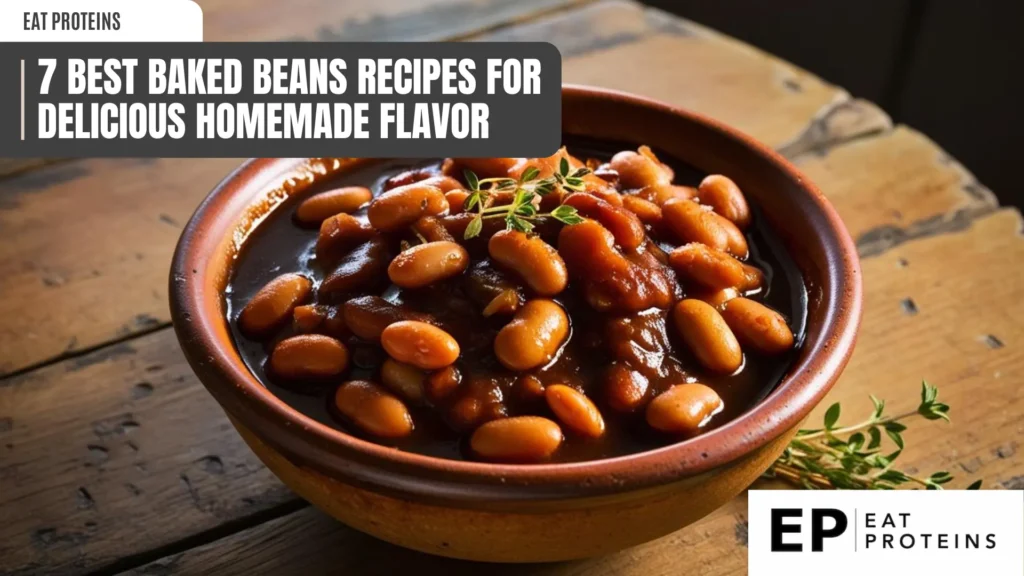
(823, 523)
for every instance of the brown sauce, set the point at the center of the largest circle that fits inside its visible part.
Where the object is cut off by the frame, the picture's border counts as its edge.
(646, 339)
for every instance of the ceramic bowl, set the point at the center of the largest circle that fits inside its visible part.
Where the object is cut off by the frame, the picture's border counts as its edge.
(528, 513)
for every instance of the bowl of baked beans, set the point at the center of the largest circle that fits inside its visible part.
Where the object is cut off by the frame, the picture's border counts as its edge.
(522, 359)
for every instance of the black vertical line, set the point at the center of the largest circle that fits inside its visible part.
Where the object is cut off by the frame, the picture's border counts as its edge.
(904, 58)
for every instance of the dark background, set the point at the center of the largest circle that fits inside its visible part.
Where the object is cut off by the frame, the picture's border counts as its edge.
(951, 69)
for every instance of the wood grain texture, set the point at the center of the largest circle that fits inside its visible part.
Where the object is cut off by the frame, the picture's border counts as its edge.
(969, 349)
(624, 46)
(93, 238)
(948, 308)
(115, 453)
(964, 337)
(360, 20)
(118, 457)
(309, 542)
(896, 186)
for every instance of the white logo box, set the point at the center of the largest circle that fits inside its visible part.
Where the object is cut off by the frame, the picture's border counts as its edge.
(934, 532)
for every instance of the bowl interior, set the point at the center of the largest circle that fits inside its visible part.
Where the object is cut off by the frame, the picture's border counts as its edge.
(807, 225)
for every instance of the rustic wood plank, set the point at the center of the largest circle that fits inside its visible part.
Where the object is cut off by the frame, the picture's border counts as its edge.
(115, 453)
(970, 350)
(361, 20)
(93, 237)
(621, 45)
(896, 186)
(949, 308)
(309, 542)
(951, 340)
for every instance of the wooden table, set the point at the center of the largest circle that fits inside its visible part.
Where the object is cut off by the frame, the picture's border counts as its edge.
(114, 458)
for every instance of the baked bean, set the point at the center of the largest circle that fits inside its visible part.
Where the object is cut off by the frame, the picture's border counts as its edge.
(692, 223)
(373, 410)
(725, 197)
(308, 356)
(607, 173)
(533, 336)
(707, 335)
(423, 345)
(403, 379)
(409, 177)
(606, 193)
(308, 318)
(456, 200)
(716, 298)
(428, 263)
(638, 170)
(439, 385)
(505, 303)
(661, 193)
(531, 258)
(362, 268)
(610, 280)
(574, 410)
(758, 326)
(625, 388)
(683, 408)
(400, 207)
(273, 304)
(368, 316)
(646, 151)
(339, 234)
(522, 439)
(714, 269)
(444, 183)
(431, 228)
(488, 167)
(624, 225)
(648, 212)
(319, 207)
(528, 388)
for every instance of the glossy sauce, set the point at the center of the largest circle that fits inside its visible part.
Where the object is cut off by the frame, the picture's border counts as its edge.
(279, 246)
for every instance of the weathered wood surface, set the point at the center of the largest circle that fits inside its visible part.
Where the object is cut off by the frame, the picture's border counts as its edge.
(100, 472)
(114, 453)
(309, 542)
(93, 238)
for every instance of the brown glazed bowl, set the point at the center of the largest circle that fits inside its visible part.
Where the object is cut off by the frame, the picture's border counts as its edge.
(528, 513)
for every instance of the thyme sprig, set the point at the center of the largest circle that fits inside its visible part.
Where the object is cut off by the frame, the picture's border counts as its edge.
(519, 213)
(850, 457)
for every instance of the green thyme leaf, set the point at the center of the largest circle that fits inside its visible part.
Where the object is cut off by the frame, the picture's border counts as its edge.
(876, 438)
(531, 173)
(879, 407)
(566, 215)
(471, 180)
(474, 228)
(563, 166)
(817, 459)
(545, 187)
(832, 416)
(505, 184)
(472, 201)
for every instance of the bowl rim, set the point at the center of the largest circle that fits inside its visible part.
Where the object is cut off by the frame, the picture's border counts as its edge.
(343, 456)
